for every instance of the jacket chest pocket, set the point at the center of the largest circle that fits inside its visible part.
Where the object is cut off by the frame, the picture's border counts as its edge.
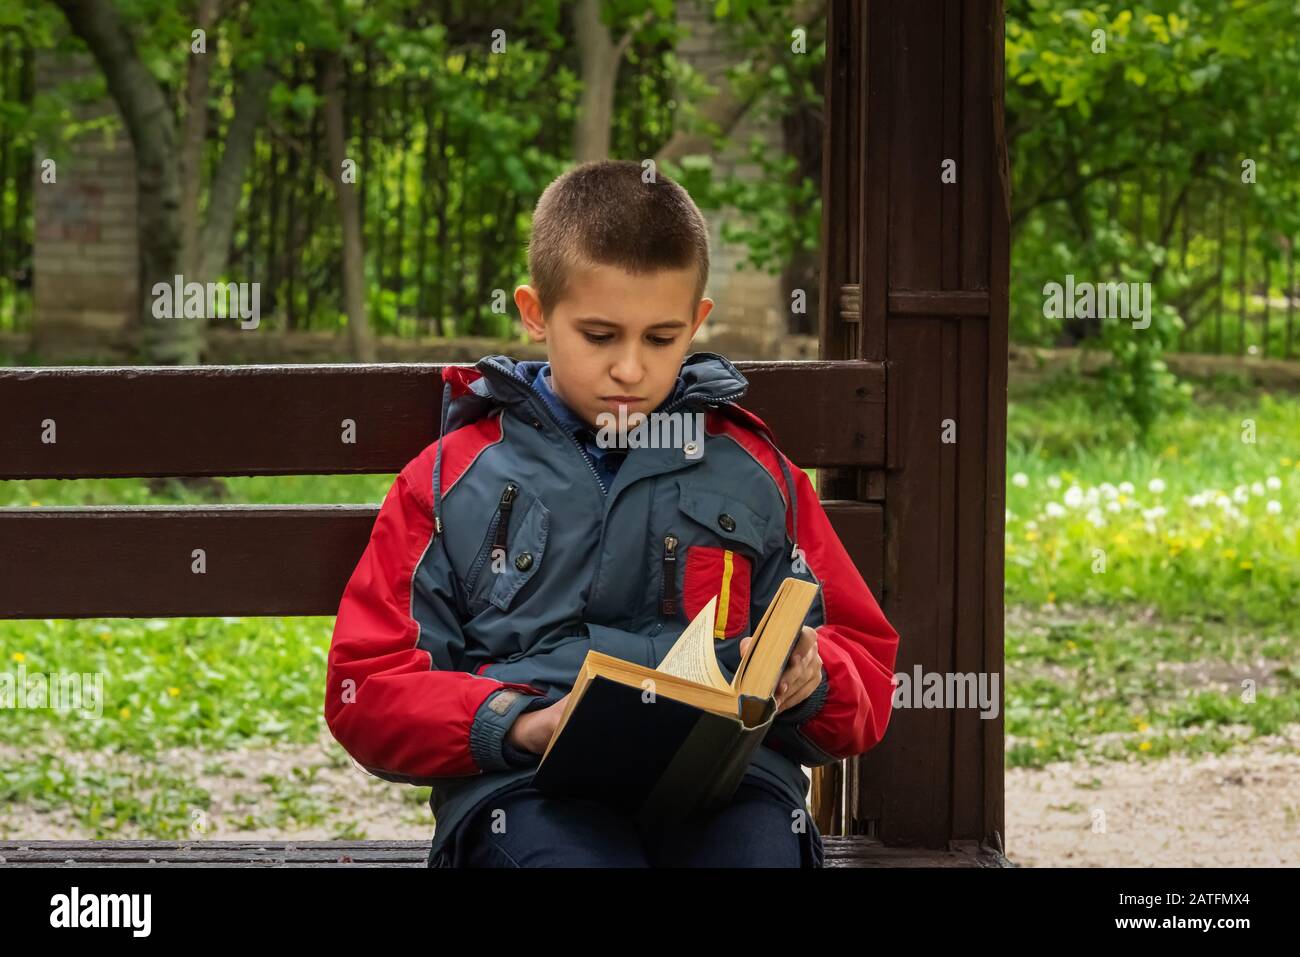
(716, 541)
(512, 551)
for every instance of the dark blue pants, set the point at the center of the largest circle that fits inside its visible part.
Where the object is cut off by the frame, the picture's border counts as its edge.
(525, 828)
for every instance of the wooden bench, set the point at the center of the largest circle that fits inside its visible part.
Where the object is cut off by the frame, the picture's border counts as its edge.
(840, 852)
(295, 560)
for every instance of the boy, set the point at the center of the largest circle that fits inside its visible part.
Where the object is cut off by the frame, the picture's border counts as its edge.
(524, 537)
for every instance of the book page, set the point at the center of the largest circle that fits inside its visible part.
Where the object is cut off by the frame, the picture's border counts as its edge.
(692, 656)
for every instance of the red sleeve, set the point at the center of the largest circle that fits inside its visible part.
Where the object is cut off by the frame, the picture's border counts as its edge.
(856, 643)
(395, 696)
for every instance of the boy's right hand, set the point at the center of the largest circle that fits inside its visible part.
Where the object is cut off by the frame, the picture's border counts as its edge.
(533, 730)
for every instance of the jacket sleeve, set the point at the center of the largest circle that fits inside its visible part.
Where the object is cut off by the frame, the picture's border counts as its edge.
(399, 696)
(846, 715)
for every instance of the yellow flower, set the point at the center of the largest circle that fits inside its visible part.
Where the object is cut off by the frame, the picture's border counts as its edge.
(1285, 461)
(35, 504)
(173, 691)
(1070, 645)
(1031, 536)
(19, 657)
(1142, 725)
(124, 713)
(1228, 553)
(1144, 746)
(1051, 597)
(1121, 539)
(1247, 565)
(1171, 452)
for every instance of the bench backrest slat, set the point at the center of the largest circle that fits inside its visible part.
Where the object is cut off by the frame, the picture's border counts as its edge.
(258, 559)
(287, 420)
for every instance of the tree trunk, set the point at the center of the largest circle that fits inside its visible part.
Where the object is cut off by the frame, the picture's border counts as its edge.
(354, 299)
(152, 127)
(600, 57)
(227, 186)
(197, 83)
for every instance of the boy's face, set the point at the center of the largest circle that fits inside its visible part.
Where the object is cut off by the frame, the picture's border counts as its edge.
(616, 338)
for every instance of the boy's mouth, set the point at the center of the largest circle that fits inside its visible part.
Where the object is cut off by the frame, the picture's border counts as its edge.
(622, 399)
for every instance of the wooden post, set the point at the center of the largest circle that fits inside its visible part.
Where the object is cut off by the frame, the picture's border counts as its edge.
(915, 273)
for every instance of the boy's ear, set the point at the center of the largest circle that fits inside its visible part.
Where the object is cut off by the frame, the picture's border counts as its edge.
(530, 313)
(701, 313)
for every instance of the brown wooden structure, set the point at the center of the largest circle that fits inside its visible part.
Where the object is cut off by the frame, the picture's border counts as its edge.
(913, 331)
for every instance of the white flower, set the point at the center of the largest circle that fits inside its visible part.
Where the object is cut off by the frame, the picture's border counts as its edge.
(1054, 511)
(1274, 507)
(1053, 482)
(1154, 513)
(1074, 496)
(1223, 502)
(1240, 495)
(1156, 485)
(1197, 500)
(1095, 516)
(1020, 480)
(1093, 496)
(1126, 488)
(1009, 515)
(1274, 482)
(1256, 488)
(1031, 524)
(1112, 506)
(1109, 490)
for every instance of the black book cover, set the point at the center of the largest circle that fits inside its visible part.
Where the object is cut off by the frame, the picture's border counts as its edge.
(655, 760)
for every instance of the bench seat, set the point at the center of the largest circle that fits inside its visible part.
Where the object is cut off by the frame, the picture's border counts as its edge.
(840, 852)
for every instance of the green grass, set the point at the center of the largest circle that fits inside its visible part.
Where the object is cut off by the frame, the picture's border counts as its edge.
(1113, 686)
(1195, 523)
(254, 490)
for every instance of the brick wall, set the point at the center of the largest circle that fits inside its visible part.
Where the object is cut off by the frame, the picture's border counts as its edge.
(750, 318)
(84, 258)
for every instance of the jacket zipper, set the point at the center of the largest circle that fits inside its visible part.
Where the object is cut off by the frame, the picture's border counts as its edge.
(668, 591)
(503, 515)
(496, 534)
(551, 415)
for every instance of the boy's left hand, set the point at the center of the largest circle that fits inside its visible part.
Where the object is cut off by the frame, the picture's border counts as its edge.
(802, 673)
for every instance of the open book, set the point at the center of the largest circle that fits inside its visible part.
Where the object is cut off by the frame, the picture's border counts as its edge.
(662, 743)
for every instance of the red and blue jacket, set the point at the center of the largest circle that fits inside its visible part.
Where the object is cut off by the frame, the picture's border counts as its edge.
(501, 556)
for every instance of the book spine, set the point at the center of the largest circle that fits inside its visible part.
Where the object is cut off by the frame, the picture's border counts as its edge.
(684, 785)
(722, 787)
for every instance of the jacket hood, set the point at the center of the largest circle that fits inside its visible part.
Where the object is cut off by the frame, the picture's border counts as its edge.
(705, 378)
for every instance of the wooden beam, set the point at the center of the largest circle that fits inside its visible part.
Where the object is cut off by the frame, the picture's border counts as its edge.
(288, 420)
(259, 559)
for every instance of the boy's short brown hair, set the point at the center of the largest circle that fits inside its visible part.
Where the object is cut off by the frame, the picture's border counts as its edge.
(603, 213)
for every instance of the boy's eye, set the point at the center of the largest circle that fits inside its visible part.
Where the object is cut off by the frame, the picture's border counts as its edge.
(597, 337)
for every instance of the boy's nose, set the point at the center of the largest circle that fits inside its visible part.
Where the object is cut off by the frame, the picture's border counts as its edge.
(629, 370)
